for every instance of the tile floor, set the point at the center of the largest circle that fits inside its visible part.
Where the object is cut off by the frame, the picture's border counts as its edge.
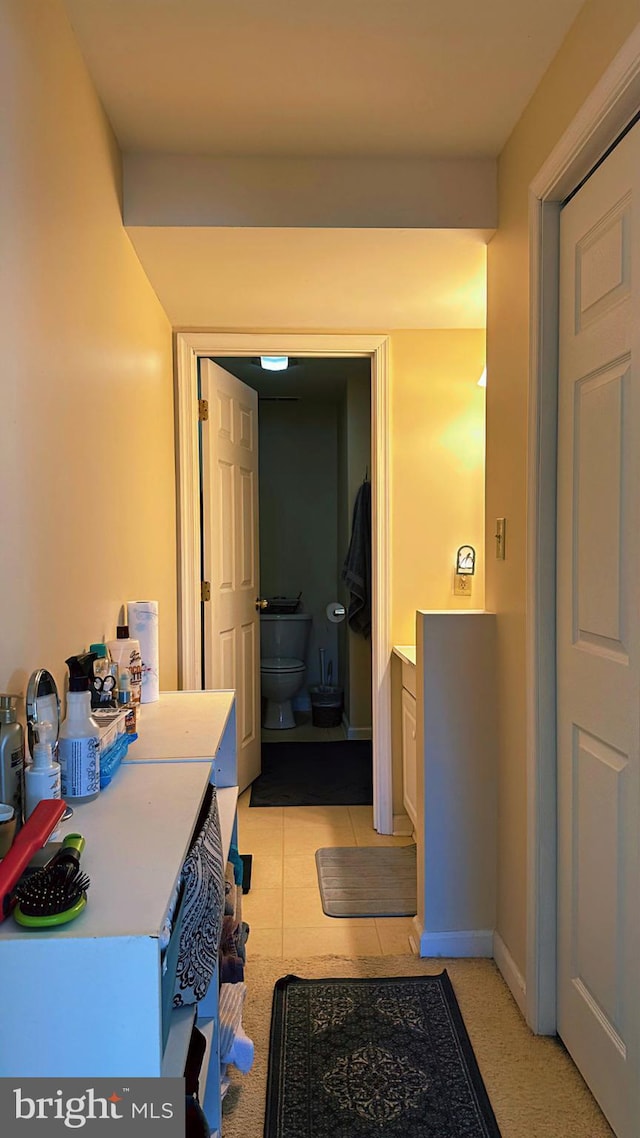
(283, 906)
(304, 732)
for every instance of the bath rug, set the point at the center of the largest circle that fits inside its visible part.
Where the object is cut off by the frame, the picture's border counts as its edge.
(358, 1058)
(337, 773)
(376, 881)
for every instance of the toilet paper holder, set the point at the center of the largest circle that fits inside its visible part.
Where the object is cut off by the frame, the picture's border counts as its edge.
(335, 612)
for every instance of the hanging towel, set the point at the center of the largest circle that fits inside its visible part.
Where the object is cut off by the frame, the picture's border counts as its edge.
(356, 571)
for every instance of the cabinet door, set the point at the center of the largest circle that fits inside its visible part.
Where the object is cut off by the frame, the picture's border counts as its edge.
(409, 770)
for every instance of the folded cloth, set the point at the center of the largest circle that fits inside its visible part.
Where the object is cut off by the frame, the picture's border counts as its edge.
(231, 969)
(235, 1045)
(356, 571)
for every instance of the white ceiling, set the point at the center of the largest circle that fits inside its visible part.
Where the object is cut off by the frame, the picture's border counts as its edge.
(298, 78)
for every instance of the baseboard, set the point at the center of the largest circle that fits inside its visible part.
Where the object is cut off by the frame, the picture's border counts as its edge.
(511, 974)
(468, 942)
(402, 825)
(355, 732)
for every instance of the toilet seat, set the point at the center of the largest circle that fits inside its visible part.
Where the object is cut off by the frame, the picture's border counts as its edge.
(282, 665)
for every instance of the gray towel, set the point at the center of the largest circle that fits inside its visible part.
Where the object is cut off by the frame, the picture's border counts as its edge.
(356, 571)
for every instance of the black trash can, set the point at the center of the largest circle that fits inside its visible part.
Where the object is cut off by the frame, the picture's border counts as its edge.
(326, 705)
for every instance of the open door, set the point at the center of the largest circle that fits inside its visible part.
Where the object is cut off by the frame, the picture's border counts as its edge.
(231, 628)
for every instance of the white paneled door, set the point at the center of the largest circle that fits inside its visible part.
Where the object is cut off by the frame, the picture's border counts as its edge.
(598, 634)
(230, 553)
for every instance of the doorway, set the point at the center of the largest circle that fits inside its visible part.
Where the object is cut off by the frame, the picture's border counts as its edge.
(314, 430)
(190, 346)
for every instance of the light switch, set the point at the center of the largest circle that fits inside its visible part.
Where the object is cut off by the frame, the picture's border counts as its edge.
(500, 535)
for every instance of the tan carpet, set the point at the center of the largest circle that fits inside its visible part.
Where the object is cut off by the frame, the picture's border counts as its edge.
(535, 1090)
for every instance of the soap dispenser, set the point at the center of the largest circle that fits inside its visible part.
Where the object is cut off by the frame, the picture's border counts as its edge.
(11, 755)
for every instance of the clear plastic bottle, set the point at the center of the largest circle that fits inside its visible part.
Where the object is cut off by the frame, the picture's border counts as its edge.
(79, 745)
(42, 776)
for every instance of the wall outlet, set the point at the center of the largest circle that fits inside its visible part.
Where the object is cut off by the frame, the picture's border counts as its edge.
(462, 584)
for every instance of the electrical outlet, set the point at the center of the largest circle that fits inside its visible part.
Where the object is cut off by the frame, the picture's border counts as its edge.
(462, 584)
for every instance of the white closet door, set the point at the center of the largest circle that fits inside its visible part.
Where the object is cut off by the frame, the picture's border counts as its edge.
(598, 615)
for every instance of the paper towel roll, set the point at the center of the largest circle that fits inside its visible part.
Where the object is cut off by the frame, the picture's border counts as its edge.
(143, 625)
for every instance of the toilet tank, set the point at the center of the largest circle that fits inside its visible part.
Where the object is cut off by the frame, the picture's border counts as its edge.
(284, 634)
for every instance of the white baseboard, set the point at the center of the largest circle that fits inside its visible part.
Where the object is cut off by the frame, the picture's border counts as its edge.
(468, 942)
(511, 974)
(355, 732)
(402, 825)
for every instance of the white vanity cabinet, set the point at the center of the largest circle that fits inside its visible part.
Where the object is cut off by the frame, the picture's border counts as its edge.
(86, 999)
(407, 655)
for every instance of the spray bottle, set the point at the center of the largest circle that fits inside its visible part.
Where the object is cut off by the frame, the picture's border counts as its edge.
(42, 777)
(78, 741)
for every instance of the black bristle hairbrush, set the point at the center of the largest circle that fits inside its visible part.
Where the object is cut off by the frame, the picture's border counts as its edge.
(57, 893)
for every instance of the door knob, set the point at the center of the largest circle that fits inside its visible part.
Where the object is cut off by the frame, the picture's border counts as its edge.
(262, 603)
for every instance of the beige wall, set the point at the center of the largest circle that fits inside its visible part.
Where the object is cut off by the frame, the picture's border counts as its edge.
(437, 470)
(86, 430)
(597, 34)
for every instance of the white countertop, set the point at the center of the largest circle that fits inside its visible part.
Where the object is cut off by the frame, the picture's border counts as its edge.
(191, 736)
(406, 652)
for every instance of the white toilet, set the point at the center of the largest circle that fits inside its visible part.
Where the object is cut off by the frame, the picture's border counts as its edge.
(283, 650)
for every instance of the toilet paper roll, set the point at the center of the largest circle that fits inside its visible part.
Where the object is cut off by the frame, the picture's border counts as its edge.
(335, 612)
(143, 625)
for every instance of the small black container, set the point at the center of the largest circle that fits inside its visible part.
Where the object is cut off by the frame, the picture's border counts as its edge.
(326, 705)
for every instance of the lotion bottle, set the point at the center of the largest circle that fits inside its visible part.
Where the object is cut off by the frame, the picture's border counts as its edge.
(125, 650)
(11, 755)
(42, 777)
(79, 743)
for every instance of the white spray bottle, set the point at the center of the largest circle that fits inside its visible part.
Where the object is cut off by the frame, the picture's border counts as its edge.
(42, 777)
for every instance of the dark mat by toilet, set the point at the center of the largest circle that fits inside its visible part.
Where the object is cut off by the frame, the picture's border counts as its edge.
(367, 881)
(315, 774)
(373, 1058)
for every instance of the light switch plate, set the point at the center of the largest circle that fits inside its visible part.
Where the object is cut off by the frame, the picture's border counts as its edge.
(500, 535)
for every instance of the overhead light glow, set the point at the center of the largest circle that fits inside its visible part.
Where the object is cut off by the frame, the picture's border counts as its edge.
(274, 363)
(482, 382)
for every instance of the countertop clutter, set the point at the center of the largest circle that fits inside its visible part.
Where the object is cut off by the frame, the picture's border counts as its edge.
(110, 963)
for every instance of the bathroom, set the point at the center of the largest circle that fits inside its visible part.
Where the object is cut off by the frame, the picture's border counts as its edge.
(314, 453)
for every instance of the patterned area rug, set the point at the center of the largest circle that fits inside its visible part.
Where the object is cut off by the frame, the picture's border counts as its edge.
(373, 1058)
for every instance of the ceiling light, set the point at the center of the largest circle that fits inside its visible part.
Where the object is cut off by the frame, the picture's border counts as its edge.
(482, 382)
(274, 363)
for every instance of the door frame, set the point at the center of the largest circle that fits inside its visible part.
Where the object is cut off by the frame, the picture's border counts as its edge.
(608, 109)
(188, 347)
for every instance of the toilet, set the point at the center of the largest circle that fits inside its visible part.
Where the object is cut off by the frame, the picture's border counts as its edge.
(283, 650)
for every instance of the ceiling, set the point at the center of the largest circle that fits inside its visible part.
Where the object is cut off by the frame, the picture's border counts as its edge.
(384, 79)
(340, 78)
(323, 380)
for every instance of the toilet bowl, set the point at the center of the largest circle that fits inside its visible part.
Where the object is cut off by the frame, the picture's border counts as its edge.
(281, 678)
(283, 648)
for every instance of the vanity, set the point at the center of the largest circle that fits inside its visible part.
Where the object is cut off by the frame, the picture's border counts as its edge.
(448, 729)
(89, 998)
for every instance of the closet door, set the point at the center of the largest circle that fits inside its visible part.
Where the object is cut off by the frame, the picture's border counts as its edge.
(598, 634)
